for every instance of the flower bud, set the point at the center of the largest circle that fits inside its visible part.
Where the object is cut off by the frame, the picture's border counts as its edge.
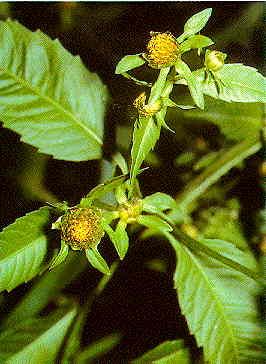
(149, 109)
(81, 228)
(162, 50)
(214, 60)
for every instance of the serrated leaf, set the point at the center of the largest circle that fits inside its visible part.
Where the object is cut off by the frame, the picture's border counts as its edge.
(237, 121)
(119, 237)
(61, 256)
(48, 96)
(23, 246)
(154, 223)
(35, 340)
(97, 349)
(145, 135)
(225, 323)
(239, 84)
(101, 190)
(46, 288)
(195, 23)
(194, 86)
(128, 63)
(196, 41)
(97, 261)
(168, 352)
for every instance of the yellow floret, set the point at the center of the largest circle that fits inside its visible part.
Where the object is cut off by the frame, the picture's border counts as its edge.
(81, 228)
(162, 50)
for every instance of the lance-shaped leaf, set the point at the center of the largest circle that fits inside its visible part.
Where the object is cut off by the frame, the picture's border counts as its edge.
(119, 237)
(225, 323)
(158, 202)
(61, 256)
(239, 83)
(36, 340)
(48, 96)
(145, 135)
(195, 23)
(23, 246)
(46, 287)
(166, 353)
(97, 261)
(194, 86)
(128, 63)
(101, 190)
(196, 41)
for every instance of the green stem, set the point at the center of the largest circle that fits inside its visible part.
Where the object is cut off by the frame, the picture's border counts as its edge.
(218, 168)
(159, 85)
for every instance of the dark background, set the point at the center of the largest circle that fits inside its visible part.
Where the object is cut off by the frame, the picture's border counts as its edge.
(139, 302)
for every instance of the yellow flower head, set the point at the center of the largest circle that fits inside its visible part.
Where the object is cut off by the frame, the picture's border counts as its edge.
(162, 50)
(81, 228)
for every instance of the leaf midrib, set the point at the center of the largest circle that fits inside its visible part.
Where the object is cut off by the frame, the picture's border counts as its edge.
(56, 104)
(219, 304)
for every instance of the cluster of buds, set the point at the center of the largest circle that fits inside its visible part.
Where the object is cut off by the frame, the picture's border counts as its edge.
(81, 228)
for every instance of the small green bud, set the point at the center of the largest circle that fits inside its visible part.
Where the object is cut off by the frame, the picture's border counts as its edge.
(214, 60)
(81, 228)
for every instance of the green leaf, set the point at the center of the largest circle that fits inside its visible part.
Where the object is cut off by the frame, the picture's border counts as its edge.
(129, 62)
(119, 237)
(23, 246)
(97, 349)
(120, 161)
(196, 41)
(158, 202)
(73, 341)
(225, 323)
(35, 340)
(168, 352)
(48, 96)
(97, 261)
(46, 287)
(154, 222)
(194, 86)
(237, 121)
(195, 23)
(61, 256)
(239, 83)
(101, 190)
(145, 135)
(222, 223)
